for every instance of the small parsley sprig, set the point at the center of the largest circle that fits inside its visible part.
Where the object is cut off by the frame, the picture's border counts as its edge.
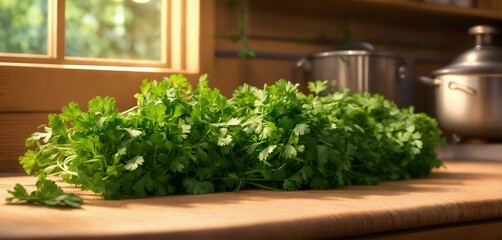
(47, 193)
(179, 139)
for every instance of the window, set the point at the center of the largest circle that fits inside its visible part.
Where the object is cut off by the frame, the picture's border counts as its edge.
(48, 58)
(114, 29)
(20, 33)
(151, 35)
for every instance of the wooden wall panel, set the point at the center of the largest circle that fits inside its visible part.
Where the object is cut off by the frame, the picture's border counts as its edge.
(14, 129)
(255, 72)
(28, 89)
(304, 22)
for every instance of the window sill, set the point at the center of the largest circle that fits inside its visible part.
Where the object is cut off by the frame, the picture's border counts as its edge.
(98, 67)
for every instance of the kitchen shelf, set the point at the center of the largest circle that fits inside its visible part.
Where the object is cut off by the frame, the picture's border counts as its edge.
(393, 12)
(423, 7)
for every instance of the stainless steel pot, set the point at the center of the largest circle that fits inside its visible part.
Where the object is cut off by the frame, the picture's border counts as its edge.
(469, 91)
(362, 69)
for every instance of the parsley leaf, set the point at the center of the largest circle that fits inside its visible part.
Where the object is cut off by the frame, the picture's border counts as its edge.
(134, 163)
(47, 193)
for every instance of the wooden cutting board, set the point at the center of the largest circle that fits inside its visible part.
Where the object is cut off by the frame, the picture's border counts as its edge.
(463, 191)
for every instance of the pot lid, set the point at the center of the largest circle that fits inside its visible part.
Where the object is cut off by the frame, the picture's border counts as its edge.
(355, 49)
(484, 58)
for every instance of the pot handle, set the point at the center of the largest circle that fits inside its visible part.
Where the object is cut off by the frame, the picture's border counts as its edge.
(402, 72)
(430, 81)
(304, 64)
(455, 86)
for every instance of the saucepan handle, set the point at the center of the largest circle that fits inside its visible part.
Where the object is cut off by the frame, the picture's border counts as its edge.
(304, 64)
(402, 72)
(430, 81)
(455, 86)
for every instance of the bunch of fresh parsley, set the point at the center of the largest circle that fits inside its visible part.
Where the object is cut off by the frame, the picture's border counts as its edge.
(183, 140)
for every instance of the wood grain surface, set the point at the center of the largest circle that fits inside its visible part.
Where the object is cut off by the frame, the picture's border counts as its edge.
(464, 191)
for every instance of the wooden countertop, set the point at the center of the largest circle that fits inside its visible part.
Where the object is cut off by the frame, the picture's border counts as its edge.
(464, 191)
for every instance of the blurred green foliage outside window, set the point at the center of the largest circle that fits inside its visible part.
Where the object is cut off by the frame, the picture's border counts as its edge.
(115, 29)
(23, 26)
(121, 29)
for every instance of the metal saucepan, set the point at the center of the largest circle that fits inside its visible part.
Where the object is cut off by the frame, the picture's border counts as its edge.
(362, 69)
(469, 91)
